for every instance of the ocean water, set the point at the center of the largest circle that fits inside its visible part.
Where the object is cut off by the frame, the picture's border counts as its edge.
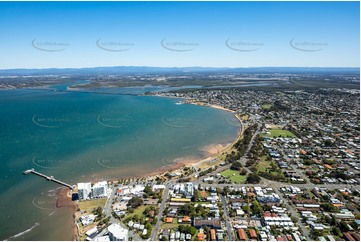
(79, 137)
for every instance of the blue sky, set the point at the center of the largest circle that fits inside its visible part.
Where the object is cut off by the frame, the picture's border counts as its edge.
(213, 34)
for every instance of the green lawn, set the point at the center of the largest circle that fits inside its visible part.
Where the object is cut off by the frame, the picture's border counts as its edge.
(279, 132)
(172, 225)
(263, 165)
(234, 176)
(138, 211)
(89, 205)
(266, 106)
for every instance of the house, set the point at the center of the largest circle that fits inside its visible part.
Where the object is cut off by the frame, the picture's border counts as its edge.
(253, 234)
(168, 220)
(184, 200)
(92, 232)
(130, 224)
(149, 201)
(242, 235)
(219, 236)
(212, 223)
(186, 219)
(213, 234)
(201, 236)
(158, 187)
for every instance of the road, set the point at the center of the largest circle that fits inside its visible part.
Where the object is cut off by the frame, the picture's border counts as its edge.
(155, 230)
(108, 205)
(227, 219)
(294, 213)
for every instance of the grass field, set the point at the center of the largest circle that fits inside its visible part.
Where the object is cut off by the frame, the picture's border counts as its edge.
(234, 176)
(138, 211)
(266, 106)
(279, 133)
(263, 165)
(89, 205)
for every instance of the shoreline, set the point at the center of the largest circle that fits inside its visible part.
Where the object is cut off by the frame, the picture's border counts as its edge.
(64, 199)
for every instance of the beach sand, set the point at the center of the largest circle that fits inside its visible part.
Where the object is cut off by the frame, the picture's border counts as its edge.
(64, 200)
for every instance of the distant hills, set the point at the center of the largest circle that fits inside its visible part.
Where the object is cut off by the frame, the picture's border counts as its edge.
(119, 70)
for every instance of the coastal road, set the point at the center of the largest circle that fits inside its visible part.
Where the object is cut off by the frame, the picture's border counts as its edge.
(108, 205)
(227, 219)
(155, 230)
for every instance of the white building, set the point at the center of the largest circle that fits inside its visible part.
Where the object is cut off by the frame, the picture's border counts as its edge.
(117, 233)
(100, 189)
(84, 190)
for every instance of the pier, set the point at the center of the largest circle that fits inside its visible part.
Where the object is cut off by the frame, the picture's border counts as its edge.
(49, 178)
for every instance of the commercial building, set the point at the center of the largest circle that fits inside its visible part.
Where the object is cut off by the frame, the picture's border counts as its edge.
(100, 189)
(117, 233)
(84, 190)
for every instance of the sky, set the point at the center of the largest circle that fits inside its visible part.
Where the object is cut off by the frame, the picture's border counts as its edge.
(179, 34)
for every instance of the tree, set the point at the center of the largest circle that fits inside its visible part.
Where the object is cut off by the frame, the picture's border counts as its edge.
(163, 238)
(192, 230)
(155, 220)
(148, 226)
(256, 208)
(236, 165)
(226, 190)
(243, 172)
(294, 219)
(146, 211)
(135, 202)
(253, 178)
(186, 209)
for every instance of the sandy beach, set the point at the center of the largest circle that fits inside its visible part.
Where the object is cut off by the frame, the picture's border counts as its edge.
(64, 200)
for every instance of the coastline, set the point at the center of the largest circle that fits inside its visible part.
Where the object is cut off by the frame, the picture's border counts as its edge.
(64, 199)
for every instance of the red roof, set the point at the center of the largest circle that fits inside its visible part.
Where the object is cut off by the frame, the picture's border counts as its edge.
(253, 233)
(200, 237)
(168, 220)
(242, 234)
(213, 234)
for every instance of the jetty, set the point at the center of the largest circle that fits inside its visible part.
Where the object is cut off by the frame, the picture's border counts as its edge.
(49, 178)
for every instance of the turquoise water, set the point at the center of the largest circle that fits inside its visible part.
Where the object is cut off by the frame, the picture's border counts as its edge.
(79, 137)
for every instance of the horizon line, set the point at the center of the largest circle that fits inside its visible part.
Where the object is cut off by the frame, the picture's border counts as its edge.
(145, 66)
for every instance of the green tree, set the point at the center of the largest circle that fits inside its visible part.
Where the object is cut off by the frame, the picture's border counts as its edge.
(186, 209)
(253, 178)
(163, 238)
(135, 202)
(256, 208)
(236, 165)
(243, 172)
(192, 230)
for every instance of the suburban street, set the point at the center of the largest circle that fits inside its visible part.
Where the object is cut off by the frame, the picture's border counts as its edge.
(153, 236)
(227, 219)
